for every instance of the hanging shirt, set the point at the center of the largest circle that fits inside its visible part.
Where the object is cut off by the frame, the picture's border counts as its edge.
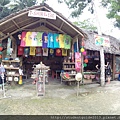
(26, 51)
(56, 40)
(45, 51)
(51, 52)
(75, 46)
(64, 52)
(44, 40)
(61, 40)
(38, 51)
(39, 38)
(32, 50)
(28, 39)
(50, 40)
(20, 50)
(23, 39)
(58, 52)
(34, 39)
(67, 42)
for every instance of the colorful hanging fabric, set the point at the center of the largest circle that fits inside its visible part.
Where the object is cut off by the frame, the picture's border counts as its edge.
(45, 51)
(26, 51)
(28, 39)
(20, 50)
(58, 52)
(32, 50)
(18, 40)
(75, 46)
(23, 39)
(44, 40)
(9, 46)
(34, 39)
(67, 42)
(51, 52)
(38, 51)
(50, 40)
(64, 52)
(61, 40)
(39, 38)
(56, 40)
(78, 61)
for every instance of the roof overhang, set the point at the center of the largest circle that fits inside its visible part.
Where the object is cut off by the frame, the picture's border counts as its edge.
(20, 21)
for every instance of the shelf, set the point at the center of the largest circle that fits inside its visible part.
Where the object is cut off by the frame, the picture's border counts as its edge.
(68, 63)
(12, 75)
(10, 60)
(68, 68)
(12, 68)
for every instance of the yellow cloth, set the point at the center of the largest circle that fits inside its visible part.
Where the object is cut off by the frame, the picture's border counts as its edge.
(64, 52)
(28, 39)
(61, 40)
(32, 50)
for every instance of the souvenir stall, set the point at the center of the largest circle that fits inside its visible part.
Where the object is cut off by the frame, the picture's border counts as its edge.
(39, 34)
(45, 47)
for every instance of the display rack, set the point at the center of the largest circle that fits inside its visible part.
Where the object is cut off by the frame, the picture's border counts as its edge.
(12, 69)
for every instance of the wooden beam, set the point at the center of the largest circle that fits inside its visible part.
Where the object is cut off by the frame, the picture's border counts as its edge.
(67, 23)
(21, 29)
(61, 25)
(55, 27)
(16, 24)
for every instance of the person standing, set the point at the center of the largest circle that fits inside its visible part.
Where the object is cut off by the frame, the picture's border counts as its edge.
(108, 72)
(2, 71)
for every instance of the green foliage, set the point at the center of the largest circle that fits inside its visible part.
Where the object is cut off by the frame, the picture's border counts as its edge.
(4, 10)
(113, 7)
(86, 24)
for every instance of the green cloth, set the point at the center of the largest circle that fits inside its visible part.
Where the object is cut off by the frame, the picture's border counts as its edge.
(39, 38)
(67, 41)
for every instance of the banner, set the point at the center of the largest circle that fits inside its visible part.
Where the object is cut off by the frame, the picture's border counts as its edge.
(102, 41)
(42, 14)
(78, 61)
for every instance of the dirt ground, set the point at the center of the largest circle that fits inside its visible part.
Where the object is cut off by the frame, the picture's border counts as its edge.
(61, 99)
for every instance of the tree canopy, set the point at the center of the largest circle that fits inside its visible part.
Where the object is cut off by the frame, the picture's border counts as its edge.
(113, 7)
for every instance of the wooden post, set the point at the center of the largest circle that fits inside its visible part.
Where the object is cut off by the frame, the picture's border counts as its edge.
(113, 67)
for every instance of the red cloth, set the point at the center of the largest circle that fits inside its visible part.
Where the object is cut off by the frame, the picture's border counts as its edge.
(20, 50)
(58, 52)
(39, 51)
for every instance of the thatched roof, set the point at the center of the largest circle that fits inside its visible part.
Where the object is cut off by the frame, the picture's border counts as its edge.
(19, 21)
(114, 44)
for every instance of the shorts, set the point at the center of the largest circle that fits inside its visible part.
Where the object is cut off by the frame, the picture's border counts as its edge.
(108, 76)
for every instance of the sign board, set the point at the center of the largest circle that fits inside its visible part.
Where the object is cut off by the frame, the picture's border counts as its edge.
(102, 41)
(78, 61)
(42, 14)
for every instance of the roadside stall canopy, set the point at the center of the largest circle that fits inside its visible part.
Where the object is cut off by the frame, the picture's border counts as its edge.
(21, 21)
